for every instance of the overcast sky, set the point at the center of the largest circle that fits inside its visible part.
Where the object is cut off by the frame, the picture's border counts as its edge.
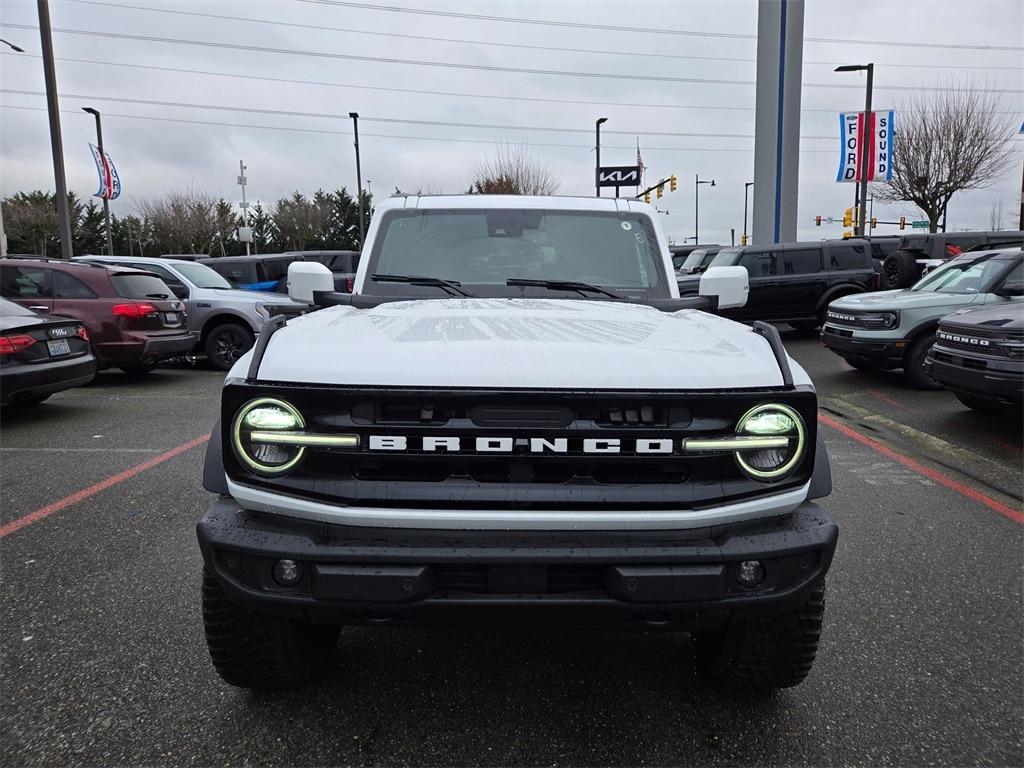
(156, 156)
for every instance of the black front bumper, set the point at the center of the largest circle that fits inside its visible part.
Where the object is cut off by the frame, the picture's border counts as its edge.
(352, 575)
(30, 380)
(884, 353)
(998, 379)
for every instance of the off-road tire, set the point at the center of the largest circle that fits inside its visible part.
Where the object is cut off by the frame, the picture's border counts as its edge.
(226, 343)
(913, 363)
(899, 270)
(252, 650)
(764, 652)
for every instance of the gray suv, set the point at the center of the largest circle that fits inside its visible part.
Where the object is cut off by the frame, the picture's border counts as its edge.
(226, 320)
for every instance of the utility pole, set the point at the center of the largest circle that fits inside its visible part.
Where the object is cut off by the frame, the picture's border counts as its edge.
(242, 181)
(862, 195)
(359, 174)
(56, 144)
(746, 188)
(106, 174)
(597, 154)
(3, 235)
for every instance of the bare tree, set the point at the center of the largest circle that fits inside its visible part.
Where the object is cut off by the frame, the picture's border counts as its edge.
(300, 220)
(946, 141)
(511, 171)
(182, 222)
(995, 216)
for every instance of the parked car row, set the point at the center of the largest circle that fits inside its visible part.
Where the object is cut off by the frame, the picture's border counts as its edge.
(961, 326)
(269, 272)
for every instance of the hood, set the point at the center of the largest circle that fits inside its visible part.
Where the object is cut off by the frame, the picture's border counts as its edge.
(259, 297)
(1006, 316)
(519, 343)
(903, 299)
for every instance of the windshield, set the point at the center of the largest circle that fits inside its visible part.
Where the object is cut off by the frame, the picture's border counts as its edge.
(962, 276)
(202, 276)
(483, 248)
(695, 258)
(134, 285)
(725, 258)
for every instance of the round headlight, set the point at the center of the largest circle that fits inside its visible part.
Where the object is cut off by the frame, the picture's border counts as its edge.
(771, 420)
(263, 417)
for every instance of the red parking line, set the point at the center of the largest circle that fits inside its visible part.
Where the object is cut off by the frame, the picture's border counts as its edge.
(931, 474)
(885, 398)
(18, 523)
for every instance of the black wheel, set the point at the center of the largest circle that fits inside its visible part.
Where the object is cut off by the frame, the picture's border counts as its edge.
(226, 343)
(764, 652)
(251, 650)
(899, 270)
(980, 404)
(913, 364)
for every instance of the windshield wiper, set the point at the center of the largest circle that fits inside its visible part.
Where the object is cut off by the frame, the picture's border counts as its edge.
(449, 286)
(561, 285)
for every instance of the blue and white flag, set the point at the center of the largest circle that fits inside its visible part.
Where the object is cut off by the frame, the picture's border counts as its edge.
(110, 182)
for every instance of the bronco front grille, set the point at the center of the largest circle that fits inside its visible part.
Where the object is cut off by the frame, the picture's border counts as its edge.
(521, 478)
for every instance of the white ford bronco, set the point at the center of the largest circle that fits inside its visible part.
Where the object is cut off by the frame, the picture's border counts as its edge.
(514, 416)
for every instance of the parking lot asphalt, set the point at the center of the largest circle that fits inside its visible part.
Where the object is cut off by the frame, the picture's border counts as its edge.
(103, 661)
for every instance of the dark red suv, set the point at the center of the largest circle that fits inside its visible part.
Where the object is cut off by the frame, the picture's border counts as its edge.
(133, 318)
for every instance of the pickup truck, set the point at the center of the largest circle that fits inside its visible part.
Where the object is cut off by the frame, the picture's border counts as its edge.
(514, 418)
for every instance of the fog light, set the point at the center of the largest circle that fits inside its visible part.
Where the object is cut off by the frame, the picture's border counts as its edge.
(750, 573)
(287, 573)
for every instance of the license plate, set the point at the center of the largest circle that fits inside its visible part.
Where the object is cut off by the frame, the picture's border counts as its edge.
(59, 347)
(171, 318)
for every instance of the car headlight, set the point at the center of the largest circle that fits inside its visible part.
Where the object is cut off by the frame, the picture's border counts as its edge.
(771, 420)
(881, 319)
(264, 417)
(1013, 347)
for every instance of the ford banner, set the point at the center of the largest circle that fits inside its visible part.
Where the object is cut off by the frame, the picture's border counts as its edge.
(879, 149)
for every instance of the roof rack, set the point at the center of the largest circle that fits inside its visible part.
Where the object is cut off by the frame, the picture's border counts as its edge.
(771, 335)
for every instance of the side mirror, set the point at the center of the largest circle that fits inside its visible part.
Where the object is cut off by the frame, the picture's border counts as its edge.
(729, 284)
(305, 277)
(1010, 290)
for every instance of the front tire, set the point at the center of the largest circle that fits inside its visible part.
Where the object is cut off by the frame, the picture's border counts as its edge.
(913, 364)
(252, 650)
(899, 270)
(226, 343)
(764, 652)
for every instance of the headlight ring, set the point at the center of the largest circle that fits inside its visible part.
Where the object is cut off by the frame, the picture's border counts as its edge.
(266, 414)
(771, 419)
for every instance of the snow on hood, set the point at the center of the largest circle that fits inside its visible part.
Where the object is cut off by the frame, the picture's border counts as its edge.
(524, 343)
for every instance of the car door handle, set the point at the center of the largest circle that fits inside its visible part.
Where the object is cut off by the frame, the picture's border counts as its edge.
(38, 307)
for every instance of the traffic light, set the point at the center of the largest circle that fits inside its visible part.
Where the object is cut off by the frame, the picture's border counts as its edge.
(847, 234)
(743, 239)
(848, 217)
(672, 184)
(817, 221)
(661, 191)
(903, 222)
(874, 222)
(647, 197)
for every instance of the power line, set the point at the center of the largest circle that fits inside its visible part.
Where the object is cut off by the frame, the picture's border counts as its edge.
(495, 44)
(444, 139)
(648, 30)
(417, 91)
(404, 121)
(479, 67)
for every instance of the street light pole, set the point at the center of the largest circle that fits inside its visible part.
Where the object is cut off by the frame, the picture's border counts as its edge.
(746, 188)
(359, 174)
(696, 207)
(103, 158)
(3, 235)
(56, 144)
(862, 213)
(597, 154)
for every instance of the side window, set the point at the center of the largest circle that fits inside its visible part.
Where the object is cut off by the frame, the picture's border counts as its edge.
(27, 283)
(847, 257)
(805, 261)
(66, 286)
(760, 263)
(274, 269)
(1016, 275)
(355, 263)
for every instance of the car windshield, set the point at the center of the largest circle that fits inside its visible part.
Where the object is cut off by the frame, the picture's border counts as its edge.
(725, 258)
(202, 276)
(136, 285)
(484, 248)
(695, 258)
(962, 276)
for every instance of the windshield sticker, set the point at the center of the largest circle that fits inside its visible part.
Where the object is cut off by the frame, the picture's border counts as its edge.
(626, 226)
